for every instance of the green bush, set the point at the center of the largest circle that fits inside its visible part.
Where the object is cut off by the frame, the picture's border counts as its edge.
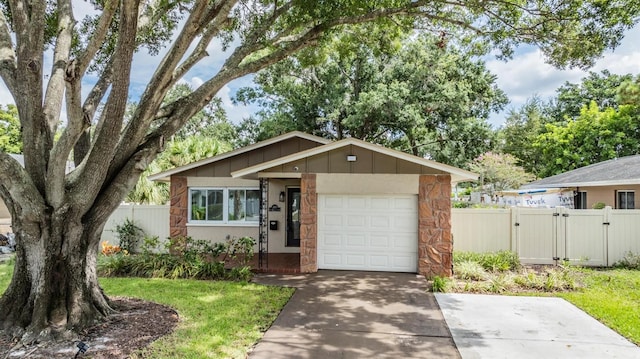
(493, 262)
(188, 258)
(439, 284)
(629, 261)
(129, 234)
(469, 270)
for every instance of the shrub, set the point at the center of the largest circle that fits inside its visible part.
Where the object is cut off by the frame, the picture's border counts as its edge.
(439, 284)
(599, 205)
(129, 234)
(469, 270)
(629, 261)
(188, 258)
(493, 262)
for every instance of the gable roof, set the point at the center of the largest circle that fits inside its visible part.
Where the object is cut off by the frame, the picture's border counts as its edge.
(457, 174)
(164, 176)
(618, 171)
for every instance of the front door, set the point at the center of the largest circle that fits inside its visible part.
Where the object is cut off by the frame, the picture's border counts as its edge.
(293, 217)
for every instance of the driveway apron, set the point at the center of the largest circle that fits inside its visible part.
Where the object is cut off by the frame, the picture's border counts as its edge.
(346, 314)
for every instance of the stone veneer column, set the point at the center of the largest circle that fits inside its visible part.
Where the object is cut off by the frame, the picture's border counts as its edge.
(435, 242)
(179, 210)
(308, 224)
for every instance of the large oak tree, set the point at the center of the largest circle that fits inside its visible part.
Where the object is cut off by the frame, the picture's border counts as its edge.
(58, 216)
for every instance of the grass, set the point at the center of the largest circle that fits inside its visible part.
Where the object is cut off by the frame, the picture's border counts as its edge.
(218, 319)
(613, 297)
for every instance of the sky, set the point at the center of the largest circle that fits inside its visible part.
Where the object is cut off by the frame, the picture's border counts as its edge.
(527, 74)
(522, 77)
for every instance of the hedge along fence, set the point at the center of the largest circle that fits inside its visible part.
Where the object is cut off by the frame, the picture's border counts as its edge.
(549, 235)
(152, 219)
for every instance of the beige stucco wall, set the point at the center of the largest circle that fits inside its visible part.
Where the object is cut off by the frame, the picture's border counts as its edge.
(607, 194)
(219, 233)
(338, 183)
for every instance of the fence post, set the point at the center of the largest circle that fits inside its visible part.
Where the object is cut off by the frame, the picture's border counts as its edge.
(606, 222)
(515, 218)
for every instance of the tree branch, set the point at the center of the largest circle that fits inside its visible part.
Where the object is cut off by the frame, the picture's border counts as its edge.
(163, 78)
(94, 171)
(24, 196)
(7, 55)
(97, 39)
(55, 87)
(212, 24)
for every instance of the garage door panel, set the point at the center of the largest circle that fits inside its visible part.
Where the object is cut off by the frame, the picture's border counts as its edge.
(330, 220)
(356, 203)
(379, 261)
(379, 241)
(356, 241)
(356, 220)
(407, 204)
(332, 259)
(381, 203)
(332, 202)
(380, 221)
(331, 240)
(367, 232)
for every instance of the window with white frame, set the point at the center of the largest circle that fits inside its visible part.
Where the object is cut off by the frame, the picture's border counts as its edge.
(224, 205)
(625, 200)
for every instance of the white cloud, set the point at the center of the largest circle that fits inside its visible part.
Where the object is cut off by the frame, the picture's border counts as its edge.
(527, 74)
(235, 112)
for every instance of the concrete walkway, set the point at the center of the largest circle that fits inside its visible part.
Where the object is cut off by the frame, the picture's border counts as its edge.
(490, 326)
(343, 314)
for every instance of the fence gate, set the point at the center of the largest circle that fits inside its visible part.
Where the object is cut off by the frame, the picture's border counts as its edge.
(548, 236)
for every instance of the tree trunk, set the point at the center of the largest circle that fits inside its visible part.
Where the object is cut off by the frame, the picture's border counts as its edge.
(54, 291)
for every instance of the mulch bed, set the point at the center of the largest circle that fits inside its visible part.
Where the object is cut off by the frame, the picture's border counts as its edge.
(136, 324)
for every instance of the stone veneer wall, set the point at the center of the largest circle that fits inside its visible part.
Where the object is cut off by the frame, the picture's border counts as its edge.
(435, 242)
(308, 224)
(179, 210)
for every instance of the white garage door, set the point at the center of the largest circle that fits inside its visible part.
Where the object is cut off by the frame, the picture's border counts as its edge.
(374, 233)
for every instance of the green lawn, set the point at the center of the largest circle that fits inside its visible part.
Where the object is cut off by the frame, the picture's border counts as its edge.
(224, 319)
(613, 297)
(217, 319)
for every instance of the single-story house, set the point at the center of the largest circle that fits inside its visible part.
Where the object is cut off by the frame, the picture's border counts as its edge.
(346, 204)
(613, 182)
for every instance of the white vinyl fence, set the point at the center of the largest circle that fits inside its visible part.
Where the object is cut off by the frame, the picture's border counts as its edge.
(154, 221)
(549, 235)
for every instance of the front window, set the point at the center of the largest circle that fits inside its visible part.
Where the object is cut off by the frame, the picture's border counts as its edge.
(626, 200)
(580, 200)
(208, 205)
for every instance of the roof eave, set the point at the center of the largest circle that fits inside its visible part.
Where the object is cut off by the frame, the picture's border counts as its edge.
(165, 175)
(457, 174)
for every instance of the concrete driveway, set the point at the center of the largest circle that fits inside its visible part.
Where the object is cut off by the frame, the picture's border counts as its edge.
(344, 314)
(497, 326)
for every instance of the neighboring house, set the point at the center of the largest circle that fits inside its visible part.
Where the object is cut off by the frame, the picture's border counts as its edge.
(613, 182)
(347, 204)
